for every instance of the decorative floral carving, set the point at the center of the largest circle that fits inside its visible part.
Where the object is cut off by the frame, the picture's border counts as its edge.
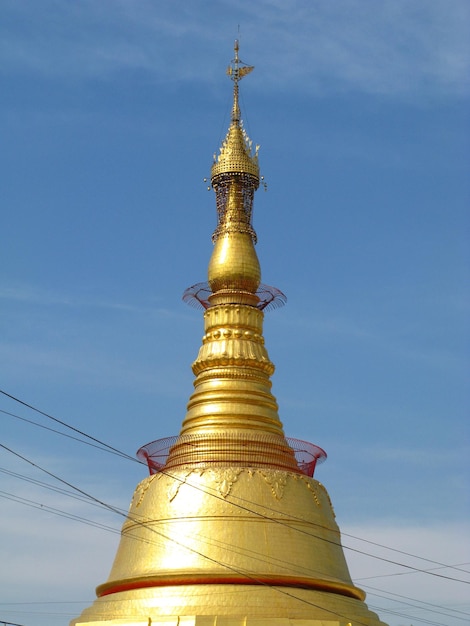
(142, 488)
(277, 480)
(224, 479)
(175, 485)
(311, 488)
(327, 495)
(173, 489)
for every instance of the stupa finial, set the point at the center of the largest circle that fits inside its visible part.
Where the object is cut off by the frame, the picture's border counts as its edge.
(234, 268)
(234, 273)
(236, 155)
(237, 70)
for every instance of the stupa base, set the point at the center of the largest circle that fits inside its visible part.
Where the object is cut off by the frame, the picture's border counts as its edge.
(248, 605)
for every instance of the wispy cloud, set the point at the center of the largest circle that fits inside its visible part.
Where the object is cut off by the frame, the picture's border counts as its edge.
(394, 47)
(31, 295)
(85, 339)
(411, 457)
(65, 547)
(423, 587)
(370, 335)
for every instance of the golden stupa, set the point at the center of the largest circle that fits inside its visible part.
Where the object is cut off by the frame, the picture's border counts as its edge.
(231, 528)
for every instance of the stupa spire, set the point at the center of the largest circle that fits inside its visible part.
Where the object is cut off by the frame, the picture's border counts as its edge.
(231, 528)
(232, 401)
(234, 272)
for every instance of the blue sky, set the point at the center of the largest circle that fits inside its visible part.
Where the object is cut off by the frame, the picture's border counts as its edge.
(110, 114)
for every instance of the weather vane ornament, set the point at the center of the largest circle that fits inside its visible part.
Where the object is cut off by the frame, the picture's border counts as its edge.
(237, 70)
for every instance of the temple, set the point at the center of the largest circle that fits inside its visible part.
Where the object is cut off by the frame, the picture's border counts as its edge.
(231, 528)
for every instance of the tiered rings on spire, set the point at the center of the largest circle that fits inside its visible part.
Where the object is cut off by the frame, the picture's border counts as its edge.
(232, 399)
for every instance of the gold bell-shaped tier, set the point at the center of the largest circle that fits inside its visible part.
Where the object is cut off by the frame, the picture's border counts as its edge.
(231, 528)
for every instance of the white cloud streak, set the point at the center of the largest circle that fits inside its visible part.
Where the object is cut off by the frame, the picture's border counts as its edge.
(398, 47)
(443, 587)
(80, 347)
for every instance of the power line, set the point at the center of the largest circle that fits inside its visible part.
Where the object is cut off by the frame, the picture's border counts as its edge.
(406, 573)
(324, 539)
(58, 512)
(103, 448)
(180, 544)
(58, 421)
(101, 526)
(293, 517)
(110, 448)
(415, 606)
(165, 472)
(206, 540)
(428, 604)
(49, 487)
(422, 620)
(122, 513)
